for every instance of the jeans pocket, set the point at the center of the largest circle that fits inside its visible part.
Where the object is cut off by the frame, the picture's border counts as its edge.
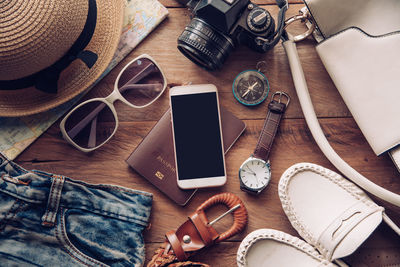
(96, 240)
(9, 206)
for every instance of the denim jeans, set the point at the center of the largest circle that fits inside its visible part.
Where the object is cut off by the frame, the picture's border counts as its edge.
(52, 220)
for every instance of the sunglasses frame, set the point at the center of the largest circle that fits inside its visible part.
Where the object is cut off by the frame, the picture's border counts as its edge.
(109, 101)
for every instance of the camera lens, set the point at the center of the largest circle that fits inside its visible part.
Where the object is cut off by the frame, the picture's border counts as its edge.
(204, 45)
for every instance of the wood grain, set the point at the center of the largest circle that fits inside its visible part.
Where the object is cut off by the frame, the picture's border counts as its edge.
(293, 144)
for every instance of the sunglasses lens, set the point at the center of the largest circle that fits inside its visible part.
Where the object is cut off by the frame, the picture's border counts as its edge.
(90, 125)
(141, 82)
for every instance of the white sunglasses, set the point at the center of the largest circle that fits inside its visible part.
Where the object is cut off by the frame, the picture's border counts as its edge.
(139, 84)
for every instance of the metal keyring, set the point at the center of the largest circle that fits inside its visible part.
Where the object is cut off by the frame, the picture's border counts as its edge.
(261, 66)
(303, 16)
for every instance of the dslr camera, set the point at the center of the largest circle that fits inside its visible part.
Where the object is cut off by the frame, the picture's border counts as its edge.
(218, 26)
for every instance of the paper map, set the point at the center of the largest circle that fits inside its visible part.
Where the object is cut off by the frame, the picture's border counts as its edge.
(141, 17)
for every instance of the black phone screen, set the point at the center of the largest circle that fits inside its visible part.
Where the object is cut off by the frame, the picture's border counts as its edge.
(197, 132)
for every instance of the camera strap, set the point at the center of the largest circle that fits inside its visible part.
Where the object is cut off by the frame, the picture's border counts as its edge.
(268, 43)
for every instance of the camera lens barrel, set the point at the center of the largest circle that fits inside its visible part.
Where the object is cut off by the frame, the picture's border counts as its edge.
(204, 45)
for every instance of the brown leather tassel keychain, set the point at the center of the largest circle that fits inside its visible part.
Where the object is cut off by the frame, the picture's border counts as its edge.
(197, 233)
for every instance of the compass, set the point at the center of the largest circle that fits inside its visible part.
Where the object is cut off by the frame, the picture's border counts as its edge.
(250, 87)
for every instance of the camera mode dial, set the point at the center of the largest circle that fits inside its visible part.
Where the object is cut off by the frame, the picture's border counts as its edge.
(259, 20)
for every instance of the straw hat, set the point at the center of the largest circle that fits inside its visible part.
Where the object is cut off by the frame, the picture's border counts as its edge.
(52, 50)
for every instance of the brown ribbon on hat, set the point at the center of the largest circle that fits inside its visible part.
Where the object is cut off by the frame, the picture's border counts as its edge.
(46, 80)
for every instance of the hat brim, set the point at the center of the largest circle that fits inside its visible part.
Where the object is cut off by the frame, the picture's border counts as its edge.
(77, 77)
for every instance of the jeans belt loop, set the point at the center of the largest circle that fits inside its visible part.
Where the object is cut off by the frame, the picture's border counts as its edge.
(53, 202)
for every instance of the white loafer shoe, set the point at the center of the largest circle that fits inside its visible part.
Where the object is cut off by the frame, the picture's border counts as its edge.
(328, 211)
(272, 248)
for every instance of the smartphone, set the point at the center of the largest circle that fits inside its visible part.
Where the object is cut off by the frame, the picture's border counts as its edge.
(198, 144)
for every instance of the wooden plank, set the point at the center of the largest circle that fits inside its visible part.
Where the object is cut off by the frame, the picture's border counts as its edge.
(293, 144)
(175, 3)
(161, 45)
(224, 254)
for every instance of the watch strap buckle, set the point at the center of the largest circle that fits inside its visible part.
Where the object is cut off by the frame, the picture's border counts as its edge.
(280, 97)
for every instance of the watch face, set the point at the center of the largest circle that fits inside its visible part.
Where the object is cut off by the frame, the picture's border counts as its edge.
(250, 87)
(255, 173)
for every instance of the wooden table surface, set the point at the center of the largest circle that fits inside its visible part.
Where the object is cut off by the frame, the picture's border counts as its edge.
(293, 143)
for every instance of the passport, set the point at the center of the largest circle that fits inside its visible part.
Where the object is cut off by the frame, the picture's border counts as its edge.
(154, 157)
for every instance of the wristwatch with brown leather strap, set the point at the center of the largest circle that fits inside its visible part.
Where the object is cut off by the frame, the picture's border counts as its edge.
(255, 172)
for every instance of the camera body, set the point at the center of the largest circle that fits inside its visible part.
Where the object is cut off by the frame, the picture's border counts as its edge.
(218, 26)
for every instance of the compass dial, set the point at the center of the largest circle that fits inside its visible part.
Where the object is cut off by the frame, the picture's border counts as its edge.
(250, 87)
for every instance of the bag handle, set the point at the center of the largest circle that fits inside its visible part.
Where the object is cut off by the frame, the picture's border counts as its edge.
(316, 131)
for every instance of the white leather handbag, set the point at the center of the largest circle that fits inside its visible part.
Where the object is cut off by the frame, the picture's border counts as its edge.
(359, 46)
